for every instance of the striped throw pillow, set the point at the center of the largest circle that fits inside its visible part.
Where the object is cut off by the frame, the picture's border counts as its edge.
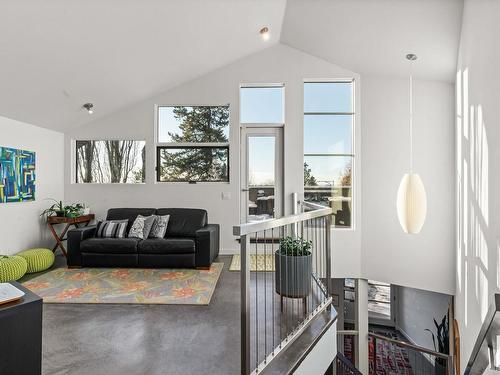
(112, 229)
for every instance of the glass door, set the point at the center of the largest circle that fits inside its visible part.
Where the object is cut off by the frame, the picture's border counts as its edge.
(262, 174)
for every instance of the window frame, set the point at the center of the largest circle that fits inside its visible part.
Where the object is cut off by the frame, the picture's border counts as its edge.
(184, 146)
(352, 155)
(74, 166)
(161, 145)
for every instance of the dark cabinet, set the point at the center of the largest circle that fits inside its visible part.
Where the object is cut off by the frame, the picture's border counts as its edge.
(21, 335)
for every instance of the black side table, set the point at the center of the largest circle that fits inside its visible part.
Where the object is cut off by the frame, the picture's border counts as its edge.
(21, 335)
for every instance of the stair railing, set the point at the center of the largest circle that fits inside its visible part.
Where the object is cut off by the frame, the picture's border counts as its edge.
(282, 295)
(422, 361)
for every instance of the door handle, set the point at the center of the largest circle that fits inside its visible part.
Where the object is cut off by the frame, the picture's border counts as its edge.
(245, 189)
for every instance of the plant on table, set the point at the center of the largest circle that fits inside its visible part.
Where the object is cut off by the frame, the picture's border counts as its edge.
(61, 210)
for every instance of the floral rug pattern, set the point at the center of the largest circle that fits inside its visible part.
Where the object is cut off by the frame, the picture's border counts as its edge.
(127, 285)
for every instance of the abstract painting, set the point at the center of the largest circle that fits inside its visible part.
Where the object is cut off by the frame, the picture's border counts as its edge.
(17, 175)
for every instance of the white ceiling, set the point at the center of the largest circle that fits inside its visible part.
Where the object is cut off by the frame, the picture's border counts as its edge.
(56, 55)
(374, 36)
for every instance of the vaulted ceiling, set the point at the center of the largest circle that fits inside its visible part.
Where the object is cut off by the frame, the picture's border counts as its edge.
(56, 55)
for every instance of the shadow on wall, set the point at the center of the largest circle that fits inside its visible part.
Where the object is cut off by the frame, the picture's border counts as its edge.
(477, 253)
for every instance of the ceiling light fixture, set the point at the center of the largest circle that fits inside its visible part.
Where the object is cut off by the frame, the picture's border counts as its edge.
(89, 107)
(412, 199)
(264, 33)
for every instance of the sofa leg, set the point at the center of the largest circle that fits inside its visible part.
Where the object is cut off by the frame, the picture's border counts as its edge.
(203, 268)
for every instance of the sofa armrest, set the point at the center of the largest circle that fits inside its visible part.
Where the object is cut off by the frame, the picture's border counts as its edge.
(75, 237)
(207, 245)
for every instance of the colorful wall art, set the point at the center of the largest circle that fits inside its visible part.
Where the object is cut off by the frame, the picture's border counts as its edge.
(17, 175)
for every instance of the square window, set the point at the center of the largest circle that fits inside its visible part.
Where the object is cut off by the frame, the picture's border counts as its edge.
(261, 105)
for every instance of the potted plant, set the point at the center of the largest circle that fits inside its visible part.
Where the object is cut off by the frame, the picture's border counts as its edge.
(56, 209)
(74, 210)
(60, 210)
(442, 337)
(293, 264)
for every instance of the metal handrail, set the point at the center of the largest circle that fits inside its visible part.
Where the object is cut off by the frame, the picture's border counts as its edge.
(346, 332)
(345, 364)
(409, 346)
(259, 226)
(245, 232)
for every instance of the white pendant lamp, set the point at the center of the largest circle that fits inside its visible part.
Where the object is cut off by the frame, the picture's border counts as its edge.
(412, 200)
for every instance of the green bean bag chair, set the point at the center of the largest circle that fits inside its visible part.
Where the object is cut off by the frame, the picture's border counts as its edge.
(12, 268)
(38, 259)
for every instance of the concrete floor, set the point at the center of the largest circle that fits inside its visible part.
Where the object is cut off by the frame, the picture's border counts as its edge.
(146, 339)
(81, 339)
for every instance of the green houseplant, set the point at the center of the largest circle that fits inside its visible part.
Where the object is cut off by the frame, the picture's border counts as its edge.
(60, 210)
(442, 338)
(293, 264)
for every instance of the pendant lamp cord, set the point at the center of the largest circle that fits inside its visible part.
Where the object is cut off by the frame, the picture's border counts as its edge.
(411, 118)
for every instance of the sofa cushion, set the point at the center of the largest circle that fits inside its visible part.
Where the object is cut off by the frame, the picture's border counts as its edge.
(128, 213)
(109, 245)
(184, 222)
(112, 229)
(166, 246)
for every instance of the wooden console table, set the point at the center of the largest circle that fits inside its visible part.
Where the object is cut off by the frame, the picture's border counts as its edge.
(69, 221)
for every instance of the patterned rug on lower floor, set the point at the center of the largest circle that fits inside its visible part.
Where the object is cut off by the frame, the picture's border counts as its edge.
(390, 359)
(127, 285)
(258, 262)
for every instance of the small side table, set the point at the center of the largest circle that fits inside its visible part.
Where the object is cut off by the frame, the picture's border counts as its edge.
(21, 335)
(69, 221)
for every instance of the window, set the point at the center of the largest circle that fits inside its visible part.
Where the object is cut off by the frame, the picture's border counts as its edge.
(261, 105)
(193, 144)
(329, 147)
(380, 298)
(110, 161)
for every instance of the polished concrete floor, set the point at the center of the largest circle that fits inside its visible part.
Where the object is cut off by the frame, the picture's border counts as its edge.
(146, 339)
(84, 339)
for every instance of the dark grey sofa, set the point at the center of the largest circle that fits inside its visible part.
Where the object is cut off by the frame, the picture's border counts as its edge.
(189, 242)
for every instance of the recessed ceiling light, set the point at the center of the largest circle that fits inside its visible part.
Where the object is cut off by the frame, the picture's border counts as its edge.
(264, 33)
(89, 107)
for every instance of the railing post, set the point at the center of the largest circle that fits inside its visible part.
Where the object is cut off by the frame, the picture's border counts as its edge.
(245, 304)
(328, 249)
(449, 365)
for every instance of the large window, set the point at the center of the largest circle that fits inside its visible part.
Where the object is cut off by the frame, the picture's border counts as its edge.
(329, 147)
(110, 161)
(193, 144)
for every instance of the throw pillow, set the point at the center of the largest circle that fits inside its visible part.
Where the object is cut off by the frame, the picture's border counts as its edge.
(159, 227)
(142, 226)
(112, 229)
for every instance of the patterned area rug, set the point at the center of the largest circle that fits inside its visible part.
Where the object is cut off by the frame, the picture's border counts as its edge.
(127, 285)
(391, 359)
(258, 262)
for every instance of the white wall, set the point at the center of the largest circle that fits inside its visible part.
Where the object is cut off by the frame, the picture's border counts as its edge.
(21, 226)
(477, 174)
(425, 260)
(416, 310)
(278, 64)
